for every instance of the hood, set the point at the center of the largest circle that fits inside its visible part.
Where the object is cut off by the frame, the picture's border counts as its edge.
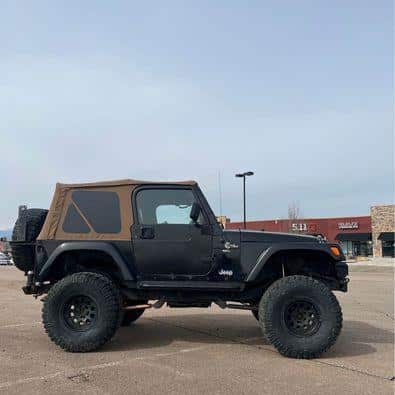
(271, 237)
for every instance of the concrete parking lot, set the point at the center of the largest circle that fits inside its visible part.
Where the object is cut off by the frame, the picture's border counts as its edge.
(198, 351)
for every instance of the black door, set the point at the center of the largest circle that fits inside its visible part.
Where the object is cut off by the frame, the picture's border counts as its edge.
(165, 240)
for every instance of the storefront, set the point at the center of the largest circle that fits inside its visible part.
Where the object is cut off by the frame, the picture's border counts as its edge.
(357, 244)
(383, 227)
(387, 244)
(369, 235)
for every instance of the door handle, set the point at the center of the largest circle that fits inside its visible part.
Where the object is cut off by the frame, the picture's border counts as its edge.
(147, 232)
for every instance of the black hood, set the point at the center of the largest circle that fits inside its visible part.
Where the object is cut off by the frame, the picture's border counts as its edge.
(271, 237)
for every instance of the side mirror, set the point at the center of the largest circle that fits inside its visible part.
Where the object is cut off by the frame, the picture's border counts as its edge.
(195, 212)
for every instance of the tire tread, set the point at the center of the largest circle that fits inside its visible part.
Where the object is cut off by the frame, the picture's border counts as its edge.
(278, 289)
(111, 296)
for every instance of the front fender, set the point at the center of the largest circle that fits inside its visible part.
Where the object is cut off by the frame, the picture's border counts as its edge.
(267, 253)
(91, 246)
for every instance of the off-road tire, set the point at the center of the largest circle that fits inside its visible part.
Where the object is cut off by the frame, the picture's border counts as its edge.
(106, 297)
(273, 315)
(28, 225)
(27, 228)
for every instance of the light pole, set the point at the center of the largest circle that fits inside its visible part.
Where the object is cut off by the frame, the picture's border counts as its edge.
(244, 175)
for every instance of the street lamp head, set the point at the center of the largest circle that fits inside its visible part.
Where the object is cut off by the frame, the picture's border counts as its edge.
(246, 173)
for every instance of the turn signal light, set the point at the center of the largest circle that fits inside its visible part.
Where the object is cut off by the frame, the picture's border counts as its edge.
(335, 251)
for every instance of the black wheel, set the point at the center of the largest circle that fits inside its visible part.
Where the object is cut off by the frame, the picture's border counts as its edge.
(300, 316)
(82, 312)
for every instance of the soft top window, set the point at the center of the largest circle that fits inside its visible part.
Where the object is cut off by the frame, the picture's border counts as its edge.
(73, 222)
(98, 210)
(165, 206)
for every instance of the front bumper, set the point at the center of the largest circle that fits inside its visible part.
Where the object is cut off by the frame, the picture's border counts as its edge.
(341, 269)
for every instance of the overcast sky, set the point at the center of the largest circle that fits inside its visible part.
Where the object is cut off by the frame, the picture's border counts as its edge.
(300, 92)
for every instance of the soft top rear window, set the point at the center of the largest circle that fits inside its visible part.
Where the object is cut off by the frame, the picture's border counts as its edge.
(101, 209)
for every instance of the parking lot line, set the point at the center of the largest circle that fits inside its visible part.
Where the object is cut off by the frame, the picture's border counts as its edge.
(19, 325)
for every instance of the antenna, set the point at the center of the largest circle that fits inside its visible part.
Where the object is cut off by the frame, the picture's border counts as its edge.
(220, 193)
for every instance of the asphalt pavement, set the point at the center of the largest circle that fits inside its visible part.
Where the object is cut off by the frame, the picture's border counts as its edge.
(195, 351)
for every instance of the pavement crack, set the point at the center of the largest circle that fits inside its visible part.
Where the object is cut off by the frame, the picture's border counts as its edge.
(351, 369)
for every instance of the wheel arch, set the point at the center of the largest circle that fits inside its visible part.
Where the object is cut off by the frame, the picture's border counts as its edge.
(101, 256)
(274, 263)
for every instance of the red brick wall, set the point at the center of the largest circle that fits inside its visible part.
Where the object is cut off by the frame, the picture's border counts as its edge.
(329, 227)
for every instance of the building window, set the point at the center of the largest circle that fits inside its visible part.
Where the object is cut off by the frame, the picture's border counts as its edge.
(388, 248)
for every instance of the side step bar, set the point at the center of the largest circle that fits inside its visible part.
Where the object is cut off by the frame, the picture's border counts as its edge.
(191, 285)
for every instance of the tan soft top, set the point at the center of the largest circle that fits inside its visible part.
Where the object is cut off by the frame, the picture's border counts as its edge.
(125, 181)
(64, 204)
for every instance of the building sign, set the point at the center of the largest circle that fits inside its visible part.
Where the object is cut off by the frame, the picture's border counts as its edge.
(303, 227)
(348, 225)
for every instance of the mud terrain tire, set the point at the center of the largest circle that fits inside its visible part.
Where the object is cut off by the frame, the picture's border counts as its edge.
(27, 228)
(28, 225)
(300, 317)
(82, 312)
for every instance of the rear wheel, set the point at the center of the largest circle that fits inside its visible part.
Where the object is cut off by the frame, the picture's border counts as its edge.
(82, 312)
(300, 316)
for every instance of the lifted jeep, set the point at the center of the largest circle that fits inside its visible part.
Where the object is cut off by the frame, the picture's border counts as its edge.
(105, 252)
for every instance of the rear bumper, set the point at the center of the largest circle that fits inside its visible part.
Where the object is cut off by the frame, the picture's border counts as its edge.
(28, 289)
(34, 288)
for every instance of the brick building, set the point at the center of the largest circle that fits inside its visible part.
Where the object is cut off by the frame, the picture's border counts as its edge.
(358, 235)
(383, 226)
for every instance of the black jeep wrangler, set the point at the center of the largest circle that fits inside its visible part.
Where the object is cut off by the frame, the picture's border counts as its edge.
(105, 252)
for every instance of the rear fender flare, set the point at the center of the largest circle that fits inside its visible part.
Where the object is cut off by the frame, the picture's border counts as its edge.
(84, 246)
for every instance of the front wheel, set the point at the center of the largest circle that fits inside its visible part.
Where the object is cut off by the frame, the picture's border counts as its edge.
(300, 316)
(82, 312)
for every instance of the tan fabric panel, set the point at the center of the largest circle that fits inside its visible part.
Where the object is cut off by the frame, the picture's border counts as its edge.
(55, 211)
(124, 195)
(52, 228)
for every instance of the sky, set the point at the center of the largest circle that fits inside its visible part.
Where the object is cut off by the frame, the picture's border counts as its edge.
(300, 92)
